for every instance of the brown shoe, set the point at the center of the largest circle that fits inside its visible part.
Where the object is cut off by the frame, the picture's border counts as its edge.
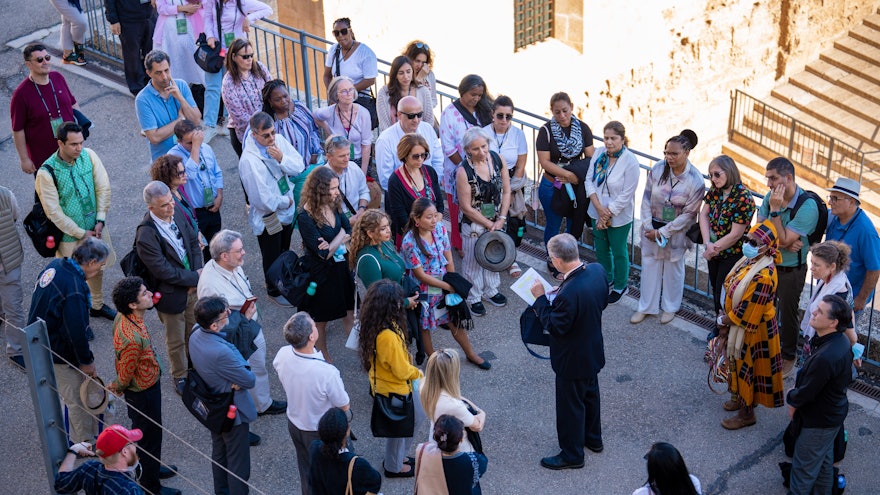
(732, 405)
(787, 367)
(737, 422)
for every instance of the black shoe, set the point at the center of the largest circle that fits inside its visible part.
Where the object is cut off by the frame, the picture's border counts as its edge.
(615, 297)
(254, 439)
(166, 472)
(557, 462)
(477, 309)
(277, 407)
(498, 300)
(597, 450)
(485, 365)
(403, 474)
(179, 383)
(18, 361)
(104, 312)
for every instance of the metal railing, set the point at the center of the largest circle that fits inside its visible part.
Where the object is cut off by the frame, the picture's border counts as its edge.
(783, 135)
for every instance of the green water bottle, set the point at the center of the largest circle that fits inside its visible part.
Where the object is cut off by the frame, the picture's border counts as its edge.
(312, 288)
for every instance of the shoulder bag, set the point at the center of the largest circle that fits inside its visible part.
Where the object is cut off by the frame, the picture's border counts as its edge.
(473, 436)
(210, 409)
(209, 59)
(39, 228)
(131, 263)
(394, 415)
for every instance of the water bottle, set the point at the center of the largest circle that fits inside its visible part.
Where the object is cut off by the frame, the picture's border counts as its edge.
(50, 242)
(312, 288)
(520, 232)
(570, 191)
(230, 414)
(841, 482)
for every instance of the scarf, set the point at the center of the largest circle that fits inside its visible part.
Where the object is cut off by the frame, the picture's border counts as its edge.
(766, 232)
(600, 173)
(569, 147)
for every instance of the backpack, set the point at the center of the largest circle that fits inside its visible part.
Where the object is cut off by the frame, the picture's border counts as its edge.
(39, 227)
(814, 237)
(132, 266)
(291, 275)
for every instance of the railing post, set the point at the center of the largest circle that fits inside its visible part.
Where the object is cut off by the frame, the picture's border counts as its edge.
(47, 405)
(734, 96)
(305, 69)
(763, 118)
(791, 139)
(831, 160)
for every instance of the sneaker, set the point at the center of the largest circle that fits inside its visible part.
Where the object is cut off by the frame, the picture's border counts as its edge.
(276, 407)
(666, 317)
(222, 130)
(615, 297)
(254, 439)
(497, 300)
(74, 59)
(477, 309)
(210, 133)
(179, 383)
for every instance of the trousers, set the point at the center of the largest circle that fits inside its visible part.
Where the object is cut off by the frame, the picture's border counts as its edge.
(12, 310)
(302, 439)
(144, 407)
(612, 252)
(178, 328)
(137, 41)
(578, 421)
(232, 452)
(396, 448)
(485, 282)
(83, 426)
(271, 247)
(812, 466)
(662, 285)
(788, 299)
(73, 24)
(260, 393)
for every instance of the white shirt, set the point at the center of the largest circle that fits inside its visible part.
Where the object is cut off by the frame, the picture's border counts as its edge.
(386, 151)
(260, 175)
(618, 192)
(359, 66)
(171, 233)
(218, 281)
(312, 386)
(446, 404)
(353, 185)
(509, 145)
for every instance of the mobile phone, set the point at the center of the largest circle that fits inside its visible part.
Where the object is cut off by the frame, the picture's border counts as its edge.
(423, 296)
(247, 305)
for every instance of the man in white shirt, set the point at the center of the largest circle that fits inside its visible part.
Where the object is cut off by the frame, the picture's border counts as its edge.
(352, 181)
(313, 386)
(224, 277)
(409, 120)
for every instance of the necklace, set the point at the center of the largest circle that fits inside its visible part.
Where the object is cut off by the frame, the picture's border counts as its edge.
(342, 119)
(412, 182)
(348, 50)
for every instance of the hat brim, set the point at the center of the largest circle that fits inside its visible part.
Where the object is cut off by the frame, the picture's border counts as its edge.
(844, 192)
(495, 251)
(89, 390)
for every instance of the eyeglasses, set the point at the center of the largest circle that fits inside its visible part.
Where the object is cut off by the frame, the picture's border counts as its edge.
(413, 116)
(717, 175)
(347, 91)
(340, 32)
(181, 174)
(40, 60)
(246, 57)
(420, 156)
(268, 134)
(176, 231)
(834, 199)
(753, 242)
(226, 314)
(504, 116)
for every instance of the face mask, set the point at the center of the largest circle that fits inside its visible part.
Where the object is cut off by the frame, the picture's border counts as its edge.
(750, 251)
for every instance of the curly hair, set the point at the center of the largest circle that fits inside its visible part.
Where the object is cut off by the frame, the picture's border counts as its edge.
(416, 47)
(164, 169)
(381, 309)
(126, 292)
(369, 222)
(316, 194)
(266, 94)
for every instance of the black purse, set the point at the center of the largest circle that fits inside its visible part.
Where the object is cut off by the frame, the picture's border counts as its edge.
(532, 332)
(209, 59)
(473, 436)
(39, 228)
(394, 415)
(695, 234)
(209, 408)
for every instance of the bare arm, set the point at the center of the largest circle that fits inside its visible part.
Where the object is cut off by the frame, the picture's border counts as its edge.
(870, 282)
(27, 165)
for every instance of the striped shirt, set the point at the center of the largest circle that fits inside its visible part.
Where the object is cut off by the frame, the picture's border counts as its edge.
(92, 478)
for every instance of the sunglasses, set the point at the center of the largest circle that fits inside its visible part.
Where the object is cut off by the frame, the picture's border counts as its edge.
(420, 156)
(422, 45)
(717, 175)
(181, 173)
(413, 116)
(340, 32)
(753, 242)
(40, 60)
(504, 116)
(246, 57)
(267, 135)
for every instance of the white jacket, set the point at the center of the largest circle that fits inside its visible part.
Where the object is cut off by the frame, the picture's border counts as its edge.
(260, 175)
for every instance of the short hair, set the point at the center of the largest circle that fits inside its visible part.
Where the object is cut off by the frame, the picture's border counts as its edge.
(832, 252)
(155, 57)
(208, 310)
(125, 292)
(839, 310)
(336, 142)
(67, 128)
(502, 101)
(30, 48)
(448, 432)
(728, 166)
(472, 135)
(298, 329)
(560, 96)
(90, 249)
(408, 142)
(260, 121)
(564, 247)
(333, 88)
(222, 242)
(164, 168)
(617, 128)
(332, 429)
(781, 165)
(155, 189)
(184, 127)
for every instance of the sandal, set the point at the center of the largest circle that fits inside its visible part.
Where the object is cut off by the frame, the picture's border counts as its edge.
(514, 270)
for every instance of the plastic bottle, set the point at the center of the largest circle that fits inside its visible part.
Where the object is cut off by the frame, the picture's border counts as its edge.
(232, 411)
(841, 482)
(520, 232)
(156, 296)
(50, 242)
(313, 286)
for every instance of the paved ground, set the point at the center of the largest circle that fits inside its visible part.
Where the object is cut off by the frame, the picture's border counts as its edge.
(653, 387)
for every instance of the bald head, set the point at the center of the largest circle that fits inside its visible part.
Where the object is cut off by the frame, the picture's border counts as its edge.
(409, 105)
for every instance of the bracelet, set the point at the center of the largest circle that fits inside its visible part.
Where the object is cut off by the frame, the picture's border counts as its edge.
(71, 451)
(502, 217)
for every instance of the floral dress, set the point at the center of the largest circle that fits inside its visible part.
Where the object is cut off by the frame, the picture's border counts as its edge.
(738, 207)
(434, 265)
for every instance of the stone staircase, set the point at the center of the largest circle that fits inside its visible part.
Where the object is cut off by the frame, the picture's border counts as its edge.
(837, 95)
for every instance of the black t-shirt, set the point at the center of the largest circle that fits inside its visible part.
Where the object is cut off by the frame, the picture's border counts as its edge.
(330, 476)
(545, 142)
(459, 473)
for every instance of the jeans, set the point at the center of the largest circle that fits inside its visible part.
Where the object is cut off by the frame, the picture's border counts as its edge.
(213, 83)
(552, 220)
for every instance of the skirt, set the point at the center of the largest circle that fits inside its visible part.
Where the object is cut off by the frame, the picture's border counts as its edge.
(757, 376)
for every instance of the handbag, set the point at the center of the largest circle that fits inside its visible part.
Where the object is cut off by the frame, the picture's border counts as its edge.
(695, 234)
(207, 58)
(532, 332)
(209, 408)
(473, 436)
(516, 229)
(353, 341)
(369, 102)
(291, 275)
(39, 228)
(394, 415)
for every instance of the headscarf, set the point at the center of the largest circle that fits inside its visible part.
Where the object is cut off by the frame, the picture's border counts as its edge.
(766, 233)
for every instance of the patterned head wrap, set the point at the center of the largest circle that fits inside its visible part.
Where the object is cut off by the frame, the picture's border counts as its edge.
(766, 233)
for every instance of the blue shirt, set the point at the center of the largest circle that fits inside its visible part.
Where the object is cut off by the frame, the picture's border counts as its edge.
(92, 478)
(861, 236)
(154, 112)
(205, 174)
(803, 224)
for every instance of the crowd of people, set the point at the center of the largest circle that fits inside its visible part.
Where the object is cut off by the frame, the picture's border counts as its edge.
(312, 171)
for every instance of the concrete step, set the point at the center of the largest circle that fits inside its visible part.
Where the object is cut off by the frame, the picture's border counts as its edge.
(866, 34)
(852, 64)
(853, 82)
(862, 50)
(853, 103)
(872, 21)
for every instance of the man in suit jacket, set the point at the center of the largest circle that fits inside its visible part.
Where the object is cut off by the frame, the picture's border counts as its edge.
(577, 352)
(168, 246)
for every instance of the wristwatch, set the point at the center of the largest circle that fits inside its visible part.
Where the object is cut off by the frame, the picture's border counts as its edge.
(774, 214)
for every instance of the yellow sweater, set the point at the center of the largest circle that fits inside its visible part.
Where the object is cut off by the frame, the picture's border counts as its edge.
(393, 371)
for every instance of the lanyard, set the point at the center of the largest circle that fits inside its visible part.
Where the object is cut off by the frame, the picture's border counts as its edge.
(350, 118)
(671, 189)
(236, 286)
(55, 95)
(503, 138)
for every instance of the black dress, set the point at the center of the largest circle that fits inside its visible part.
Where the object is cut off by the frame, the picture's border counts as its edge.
(334, 294)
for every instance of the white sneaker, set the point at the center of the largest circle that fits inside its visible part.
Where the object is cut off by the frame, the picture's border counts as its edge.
(210, 133)
(666, 317)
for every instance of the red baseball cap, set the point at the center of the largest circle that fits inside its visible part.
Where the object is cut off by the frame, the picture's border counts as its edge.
(114, 438)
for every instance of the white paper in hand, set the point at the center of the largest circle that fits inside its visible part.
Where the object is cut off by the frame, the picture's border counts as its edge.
(523, 285)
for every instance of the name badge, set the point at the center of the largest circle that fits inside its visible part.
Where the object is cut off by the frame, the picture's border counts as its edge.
(668, 212)
(181, 26)
(228, 38)
(434, 291)
(207, 197)
(488, 210)
(283, 185)
(56, 123)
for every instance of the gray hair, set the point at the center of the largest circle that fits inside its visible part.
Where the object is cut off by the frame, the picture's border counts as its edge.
(564, 247)
(298, 329)
(155, 57)
(261, 121)
(336, 142)
(155, 189)
(222, 242)
(334, 86)
(472, 135)
(90, 249)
